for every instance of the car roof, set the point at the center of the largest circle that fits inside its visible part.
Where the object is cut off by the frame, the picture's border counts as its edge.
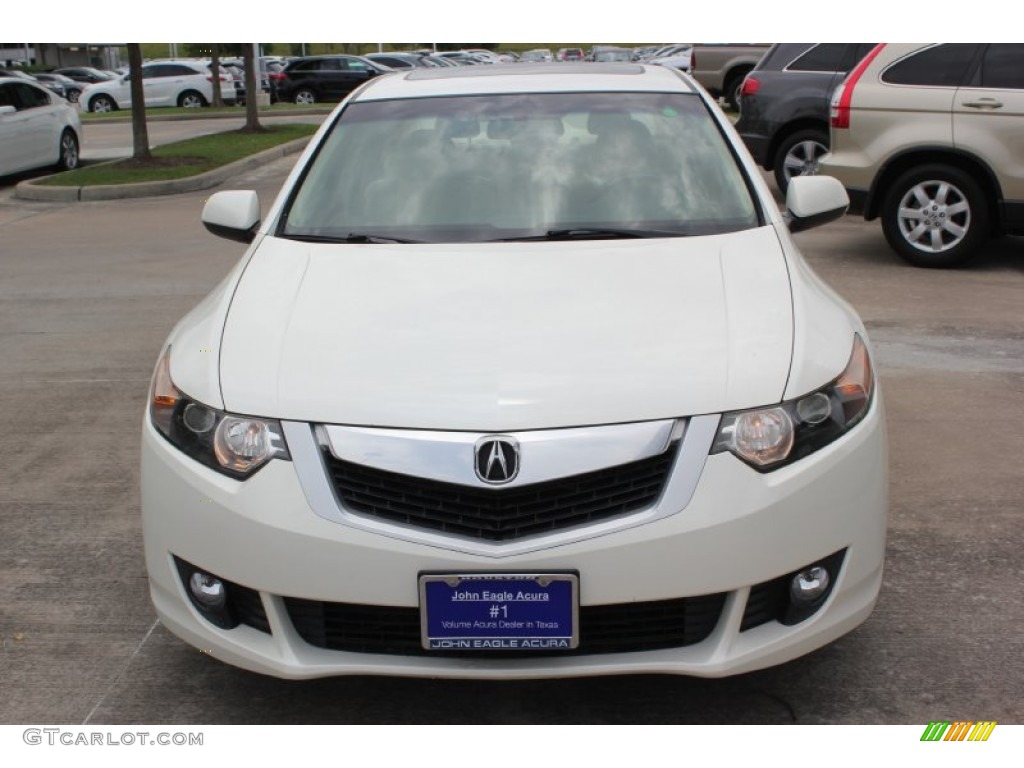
(12, 79)
(525, 78)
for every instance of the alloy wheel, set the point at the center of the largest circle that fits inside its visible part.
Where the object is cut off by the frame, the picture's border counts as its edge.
(802, 159)
(934, 216)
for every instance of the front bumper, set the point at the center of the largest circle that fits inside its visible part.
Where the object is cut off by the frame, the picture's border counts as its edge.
(739, 529)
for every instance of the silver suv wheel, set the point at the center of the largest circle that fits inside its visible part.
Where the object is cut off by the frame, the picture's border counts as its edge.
(935, 216)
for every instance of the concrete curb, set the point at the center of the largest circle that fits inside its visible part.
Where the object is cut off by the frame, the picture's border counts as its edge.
(31, 189)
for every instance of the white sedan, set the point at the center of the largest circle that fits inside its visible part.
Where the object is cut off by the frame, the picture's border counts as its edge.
(37, 128)
(522, 375)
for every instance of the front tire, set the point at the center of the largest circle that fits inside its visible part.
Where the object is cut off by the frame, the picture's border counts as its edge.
(69, 158)
(304, 96)
(798, 155)
(73, 94)
(191, 100)
(935, 216)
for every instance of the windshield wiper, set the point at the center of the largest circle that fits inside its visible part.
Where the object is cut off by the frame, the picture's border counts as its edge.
(352, 237)
(594, 233)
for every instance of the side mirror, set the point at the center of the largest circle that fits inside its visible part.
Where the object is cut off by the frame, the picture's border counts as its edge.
(234, 215)
(814, 200)
(7, 109)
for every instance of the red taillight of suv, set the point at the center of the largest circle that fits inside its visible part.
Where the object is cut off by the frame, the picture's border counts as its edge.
(840, 107)
(751, 85)
(277, 76)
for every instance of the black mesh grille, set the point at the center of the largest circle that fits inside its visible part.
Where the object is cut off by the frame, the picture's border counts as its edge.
(767, 602)
(247, 607)
(619, 628)
(501, 514)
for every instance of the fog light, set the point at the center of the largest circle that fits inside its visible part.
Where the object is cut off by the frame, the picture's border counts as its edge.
(807, 586)
(208, 591)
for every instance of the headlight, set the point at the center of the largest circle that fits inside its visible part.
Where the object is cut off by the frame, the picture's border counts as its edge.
(235, 445)
(769, 438)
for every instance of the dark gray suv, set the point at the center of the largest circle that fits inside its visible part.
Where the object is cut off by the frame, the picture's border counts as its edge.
(784, 104)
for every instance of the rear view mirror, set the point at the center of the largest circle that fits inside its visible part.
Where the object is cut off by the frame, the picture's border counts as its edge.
(234, 214)
(814, 200)
(7, 109)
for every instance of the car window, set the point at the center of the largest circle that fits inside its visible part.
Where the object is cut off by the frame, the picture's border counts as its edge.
(823, 57)
(861, 50)
(31, 97)
(7, 96)
(355, 65)
(853, 54)
(1003, 66)
(477, 168)
(941, 65)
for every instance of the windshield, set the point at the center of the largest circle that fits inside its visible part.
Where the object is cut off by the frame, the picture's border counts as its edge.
(483, 168)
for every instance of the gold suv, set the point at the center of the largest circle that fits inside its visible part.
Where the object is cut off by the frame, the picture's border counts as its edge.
(930, 138)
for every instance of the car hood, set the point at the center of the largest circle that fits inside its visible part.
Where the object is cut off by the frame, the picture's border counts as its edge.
(509, 336)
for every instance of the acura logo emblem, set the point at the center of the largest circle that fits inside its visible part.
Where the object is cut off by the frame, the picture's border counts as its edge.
(497, 459)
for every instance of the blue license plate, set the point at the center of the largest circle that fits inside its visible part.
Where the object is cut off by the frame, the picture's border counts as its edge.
(499, 612)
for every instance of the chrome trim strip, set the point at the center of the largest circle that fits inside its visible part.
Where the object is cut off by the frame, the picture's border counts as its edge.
(307, 460)
(449, 457)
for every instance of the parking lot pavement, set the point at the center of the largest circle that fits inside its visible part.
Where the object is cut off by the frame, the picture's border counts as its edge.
(89, 291)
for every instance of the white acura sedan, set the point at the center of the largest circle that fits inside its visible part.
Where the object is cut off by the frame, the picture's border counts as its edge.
(521, 376)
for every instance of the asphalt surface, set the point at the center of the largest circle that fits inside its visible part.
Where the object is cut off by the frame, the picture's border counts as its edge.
(88, 292)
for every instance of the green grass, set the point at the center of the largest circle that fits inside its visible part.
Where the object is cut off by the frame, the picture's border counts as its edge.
(184, 158)
(281, 108)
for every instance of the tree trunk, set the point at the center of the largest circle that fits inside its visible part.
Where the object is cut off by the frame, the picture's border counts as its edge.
(140, 136)
(252, 90)
(218, 99)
